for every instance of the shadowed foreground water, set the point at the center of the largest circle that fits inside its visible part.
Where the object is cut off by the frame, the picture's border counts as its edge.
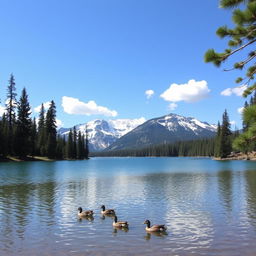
(208, 206)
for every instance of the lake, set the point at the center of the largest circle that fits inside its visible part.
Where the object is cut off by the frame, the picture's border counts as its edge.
(209, 207)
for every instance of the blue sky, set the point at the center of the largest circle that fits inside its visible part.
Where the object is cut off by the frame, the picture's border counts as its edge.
(97, 58)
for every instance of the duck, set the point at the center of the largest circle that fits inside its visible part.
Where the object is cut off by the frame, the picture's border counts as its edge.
(120, 224)
(82, 213)
(154, 228)
(107, 211)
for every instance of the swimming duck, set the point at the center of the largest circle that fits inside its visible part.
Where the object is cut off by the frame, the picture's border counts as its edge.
(82, 213)
(120, 224)
(154, 228)
(107, 211)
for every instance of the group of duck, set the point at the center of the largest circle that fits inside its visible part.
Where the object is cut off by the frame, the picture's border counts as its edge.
(119, 224)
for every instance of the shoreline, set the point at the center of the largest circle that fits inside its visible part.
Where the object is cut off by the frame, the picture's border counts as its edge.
(239, 156)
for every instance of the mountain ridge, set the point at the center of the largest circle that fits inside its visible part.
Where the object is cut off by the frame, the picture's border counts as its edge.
(136, 133)
(165, 129)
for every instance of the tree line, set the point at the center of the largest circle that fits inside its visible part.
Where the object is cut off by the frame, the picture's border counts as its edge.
(22, 137)
(202, 147)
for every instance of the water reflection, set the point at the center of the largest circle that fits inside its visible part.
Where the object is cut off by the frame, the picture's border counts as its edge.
(157, 234)
(118, 229)
(225, 180)
(191, 202)
(250, 177)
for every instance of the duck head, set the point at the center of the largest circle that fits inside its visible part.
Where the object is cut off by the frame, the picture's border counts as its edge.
(147, 222)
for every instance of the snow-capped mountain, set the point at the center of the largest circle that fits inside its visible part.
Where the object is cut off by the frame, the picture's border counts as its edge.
(102, 133)
(165, 129)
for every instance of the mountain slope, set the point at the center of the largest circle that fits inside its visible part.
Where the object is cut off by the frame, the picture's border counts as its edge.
(102, 133)
(165, 129)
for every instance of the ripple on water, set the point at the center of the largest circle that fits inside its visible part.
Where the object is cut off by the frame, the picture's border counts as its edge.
(208, 211)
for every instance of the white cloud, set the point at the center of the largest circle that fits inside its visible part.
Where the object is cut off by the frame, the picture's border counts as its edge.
(232, 122)
(238, 91)
(240, 110)
(2, 110)
(74, 106)
(46, 106)
(190, 92)
(149, 93)
(172, 106)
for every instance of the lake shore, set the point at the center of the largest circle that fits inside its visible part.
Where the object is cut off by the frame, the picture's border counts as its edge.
(251, 156)
(26, 159)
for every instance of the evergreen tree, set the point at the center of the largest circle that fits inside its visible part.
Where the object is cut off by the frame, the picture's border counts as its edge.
(10, 113)
(74, 143)
(70, 145)
(51, 132)
(217, 141)
(246, 141)
(4, 140)
(24, 125)
(245, 125)
(1, 138)
(225, 136)
(60, 149)
(80, 145)
(241, 37)
(86, 147)
(33, 138)
(41, 139)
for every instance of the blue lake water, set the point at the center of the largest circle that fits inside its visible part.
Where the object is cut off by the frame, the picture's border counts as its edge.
(209, 207)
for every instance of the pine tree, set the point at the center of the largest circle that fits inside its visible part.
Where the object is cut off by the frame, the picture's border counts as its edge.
(80, 146)
(74, 143)
(4, 141)
(60, 149)
(246, 141)
(245, 125)
(10, 113)
(24, 126)
(51, 132)
(41, 139)
(225, 136)
(217, 141)
(70, 145)
(241, 37)
(33, 138)
(86, 146)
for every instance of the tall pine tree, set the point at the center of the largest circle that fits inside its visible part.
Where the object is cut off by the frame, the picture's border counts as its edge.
(225, 147)
(51, 132)
(10, 113)
(24, 126)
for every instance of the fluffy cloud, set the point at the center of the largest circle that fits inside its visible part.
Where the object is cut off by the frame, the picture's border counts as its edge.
(238, 91)
(240, 110)
(190, 92)
(74, 106)
(46, 106)
(149, 93)
(172, 106)
(232, 122)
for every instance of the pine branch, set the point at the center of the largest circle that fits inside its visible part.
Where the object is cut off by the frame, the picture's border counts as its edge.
(238, 49)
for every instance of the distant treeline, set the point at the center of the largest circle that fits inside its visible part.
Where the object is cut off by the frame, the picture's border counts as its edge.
(22, 137)
(202, 147)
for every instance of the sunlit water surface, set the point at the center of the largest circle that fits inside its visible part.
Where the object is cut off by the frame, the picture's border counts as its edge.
(208, 206)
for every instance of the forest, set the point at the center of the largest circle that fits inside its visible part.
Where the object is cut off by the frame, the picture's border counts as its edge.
(24, 137)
